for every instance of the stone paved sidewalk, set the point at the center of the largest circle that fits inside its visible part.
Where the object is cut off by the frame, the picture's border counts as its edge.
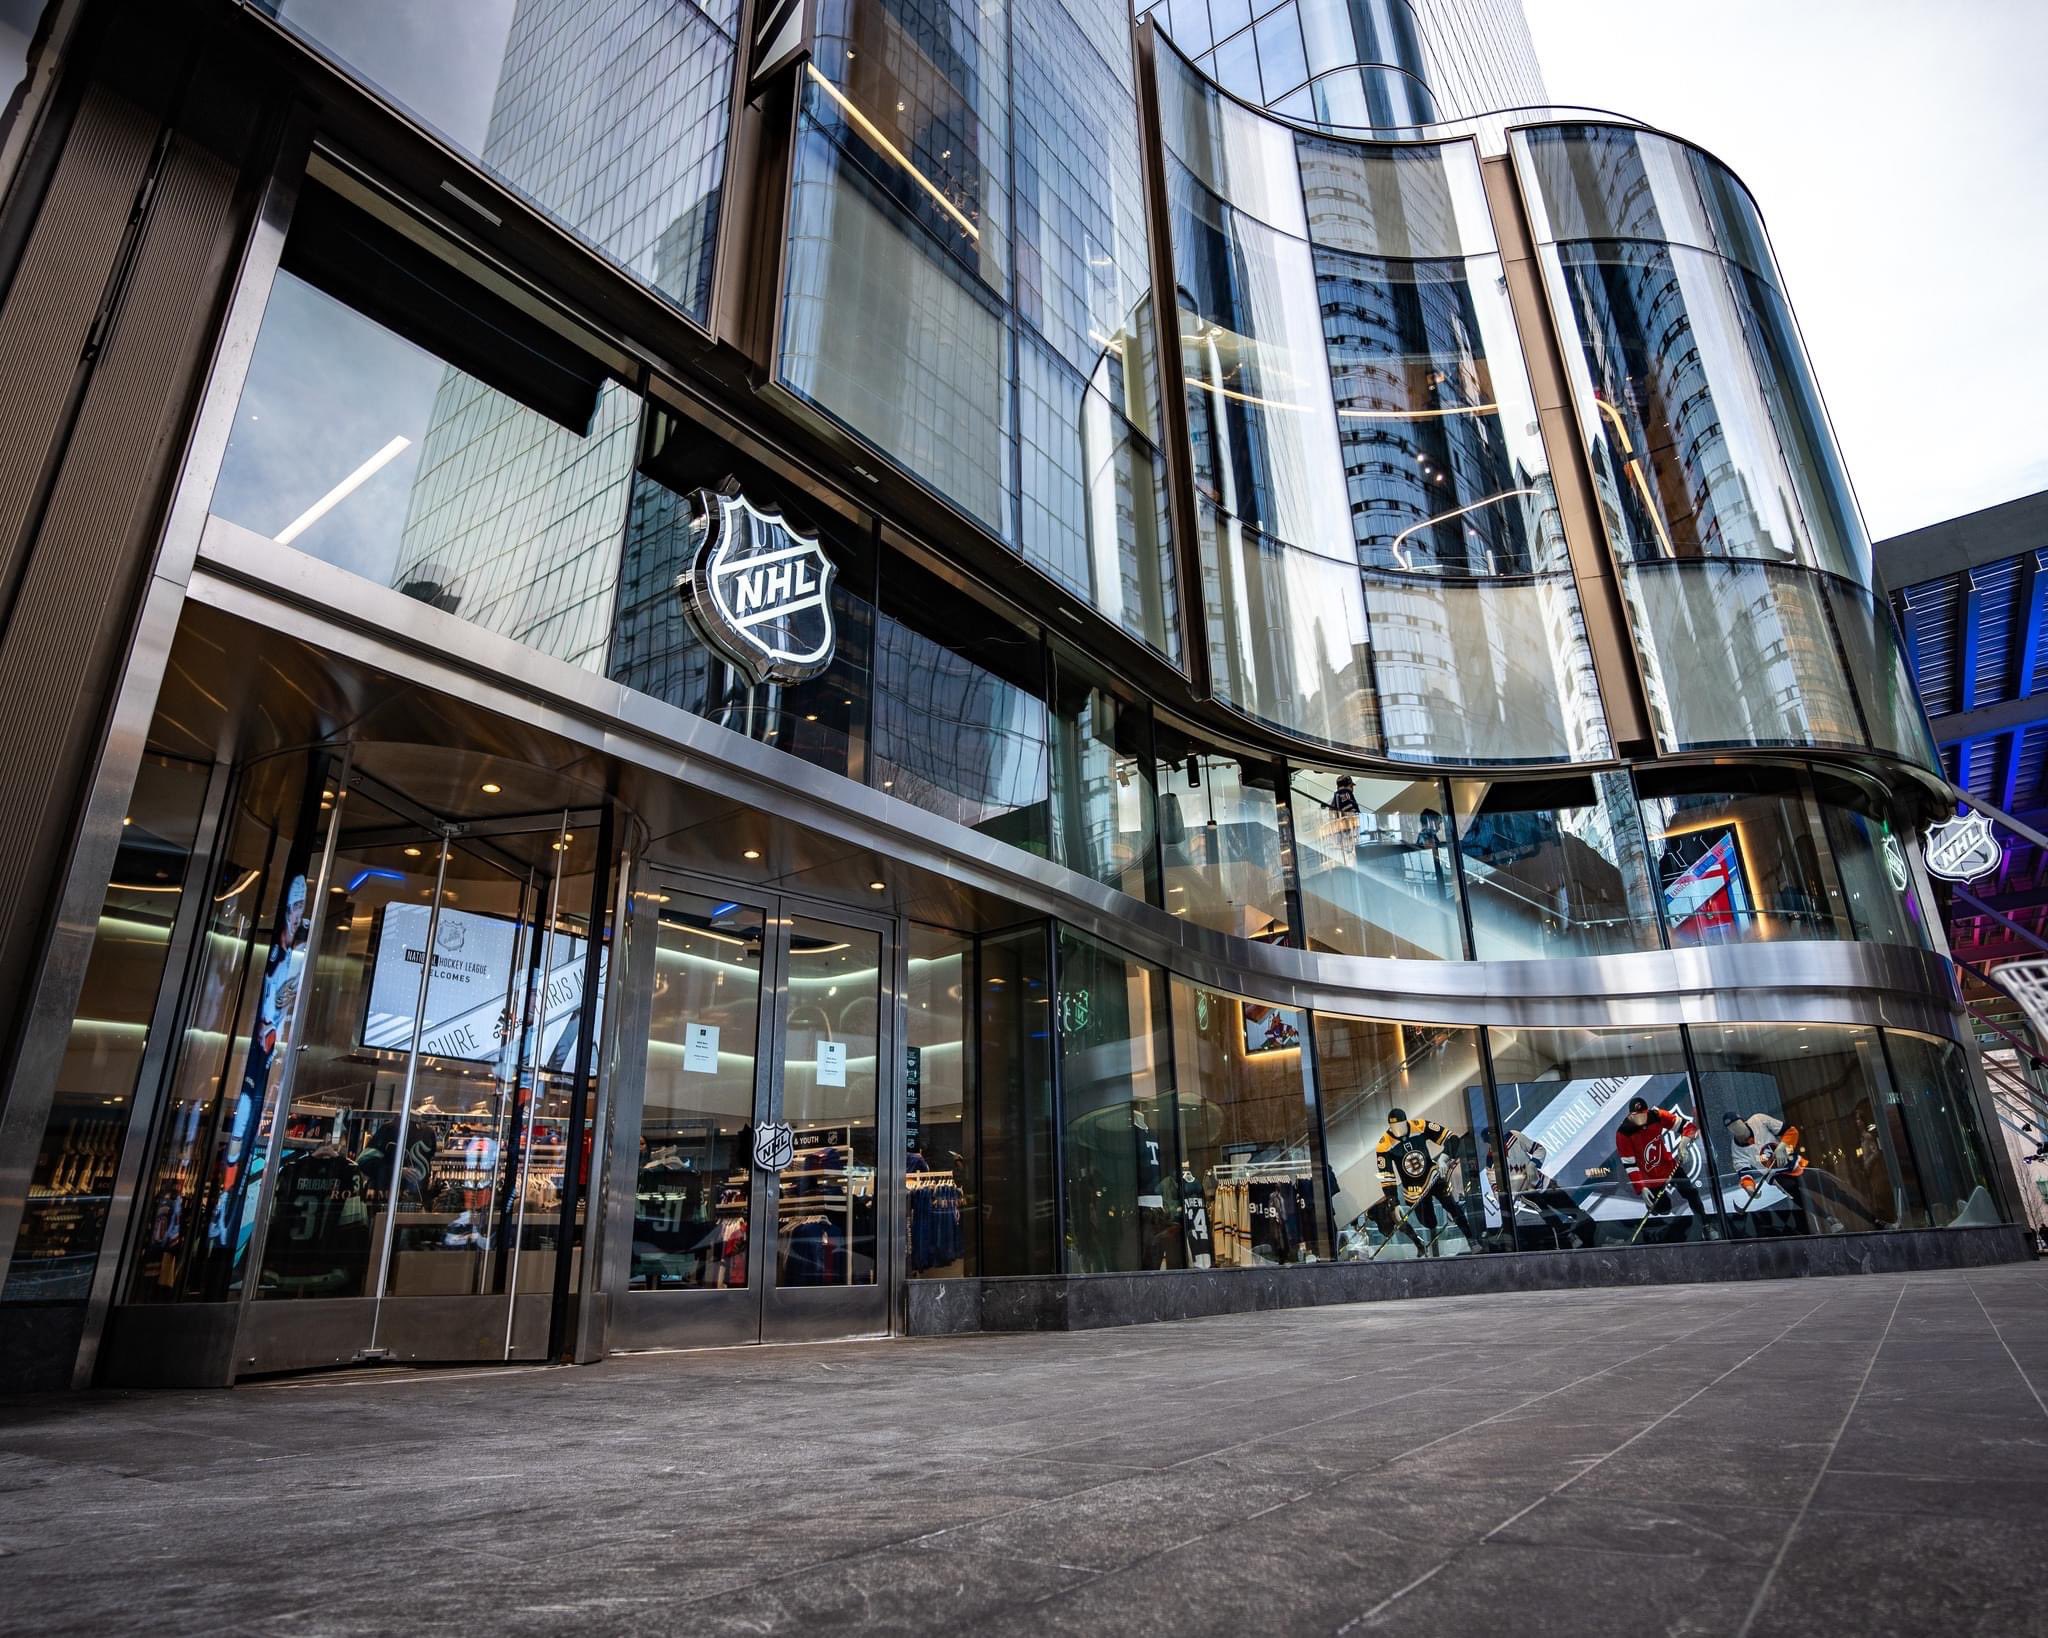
(1847, 1456)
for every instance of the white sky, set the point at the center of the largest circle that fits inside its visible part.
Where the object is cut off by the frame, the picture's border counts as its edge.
(1899, 149)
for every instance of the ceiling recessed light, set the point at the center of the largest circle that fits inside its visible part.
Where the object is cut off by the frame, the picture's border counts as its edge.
(751, 853)
(490, 787)
(877, 887)
(412, 853)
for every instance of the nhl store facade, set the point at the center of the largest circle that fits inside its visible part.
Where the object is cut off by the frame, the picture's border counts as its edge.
(1008, 692)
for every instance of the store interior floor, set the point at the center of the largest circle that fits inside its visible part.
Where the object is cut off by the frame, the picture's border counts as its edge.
(1855, 1455)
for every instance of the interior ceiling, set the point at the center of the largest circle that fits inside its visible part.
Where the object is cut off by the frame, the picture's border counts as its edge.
(235, 691)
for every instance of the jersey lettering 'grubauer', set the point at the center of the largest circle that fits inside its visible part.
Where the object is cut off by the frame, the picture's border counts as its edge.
(1405, 1163)
(1650, 1151)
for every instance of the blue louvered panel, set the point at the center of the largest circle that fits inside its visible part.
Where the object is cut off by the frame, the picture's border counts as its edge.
(2033, 648)
(1929, 621)
(2024, 777)
(1994, 640)
(1979, 772)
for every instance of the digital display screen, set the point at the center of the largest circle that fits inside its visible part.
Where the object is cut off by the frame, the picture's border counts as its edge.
(1269, 1029)
(1705, 891)
(472, 994)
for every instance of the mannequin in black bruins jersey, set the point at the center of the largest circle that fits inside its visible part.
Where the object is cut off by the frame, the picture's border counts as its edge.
(1413, 1183)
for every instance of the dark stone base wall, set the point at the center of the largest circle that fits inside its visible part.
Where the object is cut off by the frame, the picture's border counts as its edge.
(1086, 1302)
(38, 1344)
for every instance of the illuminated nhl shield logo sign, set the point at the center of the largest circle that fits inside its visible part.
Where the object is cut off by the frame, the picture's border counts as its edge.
(758, 591)
(1962, 849)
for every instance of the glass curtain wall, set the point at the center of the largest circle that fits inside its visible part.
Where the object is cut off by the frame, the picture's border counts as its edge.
(1554, 867)
(1103, 797)
(1251, 1164)
(1119, 1125)
(1746, 569)
(1409, 1141)
(1377, 871)
(1220, 840)
(941, 1205)
(1344, 316)
(967, 275)
(1601, 1137)
(422, 433)
(1017, 1142)
(609, 116)
(71, 1181)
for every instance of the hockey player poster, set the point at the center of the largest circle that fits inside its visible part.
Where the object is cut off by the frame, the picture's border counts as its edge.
(1575, 1125)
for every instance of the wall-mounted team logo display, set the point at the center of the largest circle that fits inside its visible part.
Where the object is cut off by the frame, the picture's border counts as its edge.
(1962, 849)
(757, 590)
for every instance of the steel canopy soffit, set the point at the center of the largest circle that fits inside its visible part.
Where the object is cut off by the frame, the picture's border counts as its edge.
(1817, 981)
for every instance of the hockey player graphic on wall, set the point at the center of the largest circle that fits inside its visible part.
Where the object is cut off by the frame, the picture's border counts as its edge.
(1636, 1172)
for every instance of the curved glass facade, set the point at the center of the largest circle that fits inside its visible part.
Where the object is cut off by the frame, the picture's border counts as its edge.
(1267, 792)
(1746, 570)
(1363, 433)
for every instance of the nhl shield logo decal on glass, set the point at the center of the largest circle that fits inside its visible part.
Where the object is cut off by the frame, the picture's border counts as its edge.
(758, 591)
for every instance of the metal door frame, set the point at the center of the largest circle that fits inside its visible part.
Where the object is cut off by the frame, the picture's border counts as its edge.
(762, 1312)
(486, 1327)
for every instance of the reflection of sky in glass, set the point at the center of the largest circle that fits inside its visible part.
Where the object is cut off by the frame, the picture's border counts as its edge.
(441, 60)
(326, 390)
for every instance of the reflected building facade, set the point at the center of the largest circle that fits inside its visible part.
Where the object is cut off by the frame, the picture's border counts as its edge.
(862, 668)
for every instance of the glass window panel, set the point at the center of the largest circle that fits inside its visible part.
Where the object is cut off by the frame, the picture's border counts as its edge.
(357, 447)
(889, 332)
(1258, 384)
(696, 1166)
(1015, 1153)
(1251, 1180)
(1403, 1107)
(1554, 868)
(961, 727)
(1443, 462)
(1094, 500)
(941, 1212)
(1287, 635)
(624, 147)
(1237, 67)
(1417, 202)
(1229, 16)
(1219, 838)
(1083, 268)
(1739, 857)
(1934, 1127)
(1797, 1115)
(1484, 671)
(1190, 27)
(1601, 1125)
(1739, 654)
(1238, 155)
(1877, 881)
(1707, 432)
(1374, 861)
(1103, 804)
(1118, 1134)
(1892, 710)
(657, 651)
(1281, 63)
(198, 1185)
(1371, 99)
(1610, 182)
(1342, 32)
(826, 1203)
(71, 1180)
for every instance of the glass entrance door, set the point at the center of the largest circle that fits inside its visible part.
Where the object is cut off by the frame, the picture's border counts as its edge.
(420, 1154)
(763, 1171)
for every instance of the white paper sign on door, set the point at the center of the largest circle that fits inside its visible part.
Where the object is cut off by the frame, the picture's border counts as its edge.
(700, 1049)
(831, 1063)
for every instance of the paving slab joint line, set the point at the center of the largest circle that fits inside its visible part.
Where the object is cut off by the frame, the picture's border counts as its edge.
(1588, 1466)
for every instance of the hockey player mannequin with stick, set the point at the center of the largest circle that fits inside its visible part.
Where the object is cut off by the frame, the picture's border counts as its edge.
(1766, 1150)
(1654, 1145)
(1413, 1183)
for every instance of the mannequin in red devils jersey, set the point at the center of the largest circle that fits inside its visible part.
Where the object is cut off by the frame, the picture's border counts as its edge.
(1650, 1143)
(1412, 1181)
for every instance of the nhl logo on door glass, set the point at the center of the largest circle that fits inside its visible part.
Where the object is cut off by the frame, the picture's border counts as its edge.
(1962, 849)
(758, 591)
(774, 1146)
